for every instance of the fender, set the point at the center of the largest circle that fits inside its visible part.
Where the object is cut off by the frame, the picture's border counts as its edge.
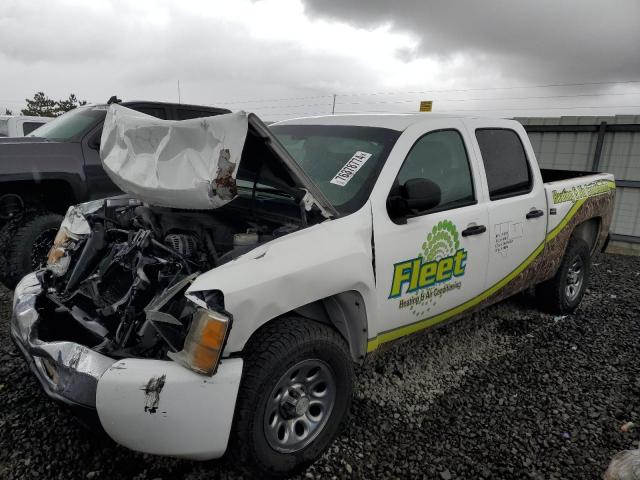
(321, 261)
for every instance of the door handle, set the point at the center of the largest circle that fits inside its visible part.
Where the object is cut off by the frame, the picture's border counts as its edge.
(534, 214)
(474, 230)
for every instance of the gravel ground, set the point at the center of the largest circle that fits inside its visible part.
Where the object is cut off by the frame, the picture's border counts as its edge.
(508, 393)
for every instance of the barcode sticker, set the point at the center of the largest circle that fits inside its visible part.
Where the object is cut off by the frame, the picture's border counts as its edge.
(347, 172)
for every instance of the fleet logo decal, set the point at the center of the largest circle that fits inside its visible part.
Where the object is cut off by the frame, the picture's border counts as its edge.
(420, 281)
(578, 192)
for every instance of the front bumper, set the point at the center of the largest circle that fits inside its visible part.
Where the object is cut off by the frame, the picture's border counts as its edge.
(152, 406)
(68, 372)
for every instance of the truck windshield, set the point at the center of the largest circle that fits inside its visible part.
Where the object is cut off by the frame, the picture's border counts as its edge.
(343, 161)
(71, 125)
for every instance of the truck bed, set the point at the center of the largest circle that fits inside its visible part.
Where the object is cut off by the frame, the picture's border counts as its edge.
(575, 197)
(553, 175)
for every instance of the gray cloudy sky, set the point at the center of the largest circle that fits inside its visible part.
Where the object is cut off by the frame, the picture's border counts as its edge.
(285, 58)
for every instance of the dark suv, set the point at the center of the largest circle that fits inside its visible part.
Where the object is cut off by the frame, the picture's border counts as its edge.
(56, 166)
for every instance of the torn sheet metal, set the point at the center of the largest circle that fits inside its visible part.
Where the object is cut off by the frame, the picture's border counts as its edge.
(75, 223)
(182, 164)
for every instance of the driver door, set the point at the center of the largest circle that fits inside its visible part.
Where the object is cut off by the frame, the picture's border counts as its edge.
(430, 263)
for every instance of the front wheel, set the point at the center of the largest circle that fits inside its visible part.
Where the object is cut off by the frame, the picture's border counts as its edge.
(294, 396)
(563, 293)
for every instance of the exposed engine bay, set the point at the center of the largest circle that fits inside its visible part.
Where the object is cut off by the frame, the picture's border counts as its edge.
(117, 274)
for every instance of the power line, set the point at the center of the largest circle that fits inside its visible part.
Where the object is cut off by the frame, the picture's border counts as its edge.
(544, 108)
(492, 109)
(238, 102)
(300, 114)
(493, 98)
(269, 107)
(390, 102)
(479, 89)
(548, 85)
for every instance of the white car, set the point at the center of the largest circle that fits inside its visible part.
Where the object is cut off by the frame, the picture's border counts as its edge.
(222, 305)
(20, 125)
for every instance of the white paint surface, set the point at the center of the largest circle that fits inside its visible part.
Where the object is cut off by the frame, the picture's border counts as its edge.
(194, 412)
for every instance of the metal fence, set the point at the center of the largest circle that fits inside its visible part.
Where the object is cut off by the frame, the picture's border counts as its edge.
(598, 144)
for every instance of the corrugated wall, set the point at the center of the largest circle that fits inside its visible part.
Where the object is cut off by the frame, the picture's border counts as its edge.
(571, 143)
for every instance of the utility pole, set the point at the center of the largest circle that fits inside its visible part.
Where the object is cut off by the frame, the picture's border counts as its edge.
(333, 108)
(179, 91)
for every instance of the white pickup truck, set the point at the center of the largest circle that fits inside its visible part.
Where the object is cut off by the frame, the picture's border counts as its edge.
(20, 125)
(221, 306)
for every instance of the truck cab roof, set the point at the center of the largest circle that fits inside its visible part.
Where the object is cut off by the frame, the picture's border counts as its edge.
(393, 121)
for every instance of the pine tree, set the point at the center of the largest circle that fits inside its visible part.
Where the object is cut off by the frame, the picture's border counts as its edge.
(43, 106)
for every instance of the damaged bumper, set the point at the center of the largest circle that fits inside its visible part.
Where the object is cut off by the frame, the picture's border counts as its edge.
(152, 406)
(68, 372)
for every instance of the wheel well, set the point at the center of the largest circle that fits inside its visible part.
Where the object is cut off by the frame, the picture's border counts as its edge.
(54, 195)
(588, 231)
(345, 312)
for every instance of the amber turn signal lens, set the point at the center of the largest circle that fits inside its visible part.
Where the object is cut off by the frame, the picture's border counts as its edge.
(204, 343)
(57, 250)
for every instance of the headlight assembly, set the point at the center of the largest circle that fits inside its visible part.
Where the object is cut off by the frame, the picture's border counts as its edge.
(205, 341)
(58, 260)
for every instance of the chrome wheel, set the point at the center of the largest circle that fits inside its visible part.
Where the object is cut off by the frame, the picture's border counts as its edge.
(300, 405)
(575, 279)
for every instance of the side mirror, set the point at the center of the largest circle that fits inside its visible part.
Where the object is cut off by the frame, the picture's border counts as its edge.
(415, 196)
(421, 194)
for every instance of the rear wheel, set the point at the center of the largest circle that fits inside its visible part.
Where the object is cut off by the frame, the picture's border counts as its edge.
(563, 292)
(294, 396)
(28, 248)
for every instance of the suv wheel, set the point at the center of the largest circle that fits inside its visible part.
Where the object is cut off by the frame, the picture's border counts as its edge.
(27, 250)
(6, 237)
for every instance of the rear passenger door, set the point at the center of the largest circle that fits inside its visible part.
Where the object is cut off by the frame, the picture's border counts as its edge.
(434, 261)
(517, 203)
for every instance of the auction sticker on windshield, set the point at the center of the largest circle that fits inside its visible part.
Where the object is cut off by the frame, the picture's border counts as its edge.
(347, 172)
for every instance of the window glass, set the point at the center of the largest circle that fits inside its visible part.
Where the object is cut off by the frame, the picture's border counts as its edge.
(343, 161)
(4, 127)
(441, 157)
(184, 114)
(28, 127)
(505, 162)
(72, 124)
(157, 112)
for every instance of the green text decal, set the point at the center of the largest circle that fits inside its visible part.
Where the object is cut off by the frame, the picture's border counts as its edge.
(440, 261)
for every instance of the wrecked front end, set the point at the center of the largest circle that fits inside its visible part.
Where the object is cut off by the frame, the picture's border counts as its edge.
(117, 274)
(67, 370)
(108, 325)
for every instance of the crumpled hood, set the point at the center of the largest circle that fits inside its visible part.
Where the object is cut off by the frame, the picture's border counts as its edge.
(194, 163)
(170, 163)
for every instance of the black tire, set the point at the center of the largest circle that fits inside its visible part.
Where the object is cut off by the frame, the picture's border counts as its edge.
(270, 354)
(28, 248)
(6, 236)
(556, 295)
